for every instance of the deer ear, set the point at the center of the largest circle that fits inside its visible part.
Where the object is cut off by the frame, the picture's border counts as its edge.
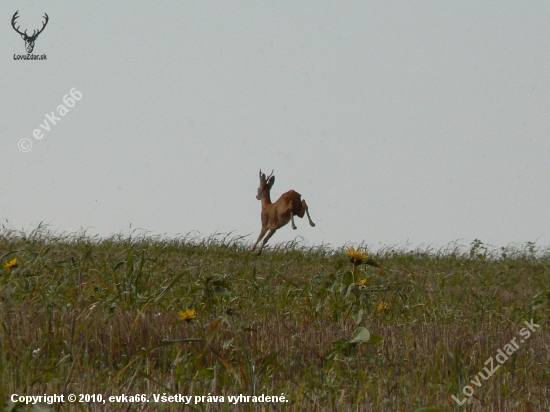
(271, 181)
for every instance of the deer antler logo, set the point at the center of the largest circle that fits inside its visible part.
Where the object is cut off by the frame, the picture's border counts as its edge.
(29, 40)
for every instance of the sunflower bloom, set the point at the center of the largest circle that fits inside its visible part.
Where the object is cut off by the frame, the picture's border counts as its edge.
(11, 264)
(356, 256)
(362, 282)
(187, 315)
(382, 306)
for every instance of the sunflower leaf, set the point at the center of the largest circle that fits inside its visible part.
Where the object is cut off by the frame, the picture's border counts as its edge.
(360, 335)
(371, 262)
(348, 278)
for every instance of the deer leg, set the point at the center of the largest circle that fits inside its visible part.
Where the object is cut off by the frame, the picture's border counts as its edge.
(304, 207)
(271, 232)
(262, 233)
(290, 209)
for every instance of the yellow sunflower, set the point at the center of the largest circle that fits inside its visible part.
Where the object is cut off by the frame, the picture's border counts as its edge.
(356, 256)
(11, 264)
(187, 315)
(382, 306)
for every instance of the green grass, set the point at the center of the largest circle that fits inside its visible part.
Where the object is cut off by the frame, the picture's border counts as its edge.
(100, 316)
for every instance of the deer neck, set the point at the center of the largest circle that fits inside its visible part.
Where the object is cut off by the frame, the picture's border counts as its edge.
(266, 199)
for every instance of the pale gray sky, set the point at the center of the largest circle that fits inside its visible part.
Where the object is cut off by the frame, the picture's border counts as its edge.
(422, 122)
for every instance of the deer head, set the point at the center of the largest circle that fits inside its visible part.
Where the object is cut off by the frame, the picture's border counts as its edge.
(265, 184)
(29, 40)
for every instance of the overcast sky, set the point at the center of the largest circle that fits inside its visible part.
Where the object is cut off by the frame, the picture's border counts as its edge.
(400, 123)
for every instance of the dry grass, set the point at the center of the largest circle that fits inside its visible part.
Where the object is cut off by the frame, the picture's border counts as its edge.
(100, 316)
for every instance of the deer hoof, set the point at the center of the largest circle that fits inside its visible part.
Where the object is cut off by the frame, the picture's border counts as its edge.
(312, 224)
(294, 227)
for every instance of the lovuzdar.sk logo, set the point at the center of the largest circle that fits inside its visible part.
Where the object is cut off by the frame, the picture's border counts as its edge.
(29, 39)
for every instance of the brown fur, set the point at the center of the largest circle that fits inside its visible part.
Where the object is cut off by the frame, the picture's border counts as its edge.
(276, 215)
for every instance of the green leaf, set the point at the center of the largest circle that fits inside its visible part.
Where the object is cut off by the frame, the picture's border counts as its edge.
(348, 278)
(222, 284)
(372, 263)
(194, 289)
(375, 339)
(360, 335)
(348, 289)
(428, 409)
(218, 291)
(358, 317)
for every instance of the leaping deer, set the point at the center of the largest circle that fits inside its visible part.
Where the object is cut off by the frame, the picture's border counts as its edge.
(276, 215)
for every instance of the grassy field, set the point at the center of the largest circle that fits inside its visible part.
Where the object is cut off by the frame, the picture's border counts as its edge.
(80, 315)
